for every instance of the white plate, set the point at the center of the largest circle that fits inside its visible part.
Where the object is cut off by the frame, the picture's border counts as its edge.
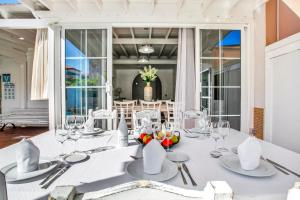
(96, 131)
(135, 169)
(191, 135)
(76, 157)
(12, 175)
(232, 163)
(177, 157)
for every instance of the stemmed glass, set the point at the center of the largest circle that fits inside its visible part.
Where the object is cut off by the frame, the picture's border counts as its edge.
(70, 122)
(215, 135)
(168, 133)
(75, 135)
(80, 120)
(224, 130)
(61, 136)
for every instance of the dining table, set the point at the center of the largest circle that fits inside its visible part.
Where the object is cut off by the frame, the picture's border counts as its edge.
(108, 168)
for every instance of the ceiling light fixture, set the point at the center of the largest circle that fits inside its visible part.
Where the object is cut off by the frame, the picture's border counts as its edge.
(143, 59)
(21, 38)
(146, 49)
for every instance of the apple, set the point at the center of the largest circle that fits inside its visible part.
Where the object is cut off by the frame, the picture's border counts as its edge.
(174, 139)
(167, 142)
(147, 139)
(143, 135)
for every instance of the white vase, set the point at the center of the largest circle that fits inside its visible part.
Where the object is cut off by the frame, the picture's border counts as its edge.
(148, 92)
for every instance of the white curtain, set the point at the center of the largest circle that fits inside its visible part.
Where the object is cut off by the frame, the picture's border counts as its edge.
(185, 92)
(39, 81)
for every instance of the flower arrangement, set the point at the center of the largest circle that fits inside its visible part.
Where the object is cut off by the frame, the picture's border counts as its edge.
(148, 74)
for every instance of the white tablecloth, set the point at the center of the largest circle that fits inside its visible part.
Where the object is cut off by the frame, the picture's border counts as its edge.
(106, 169)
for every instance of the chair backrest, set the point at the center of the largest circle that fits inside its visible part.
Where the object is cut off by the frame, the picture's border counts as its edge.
(149, 105)
(3, 191)
(135, 101)
(170, 111)
(108, 115)
(152, 115)
(128, 107)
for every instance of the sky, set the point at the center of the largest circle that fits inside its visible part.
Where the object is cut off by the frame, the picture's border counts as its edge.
(9, 2)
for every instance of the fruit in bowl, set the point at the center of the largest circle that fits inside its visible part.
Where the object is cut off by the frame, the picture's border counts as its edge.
(167, 139)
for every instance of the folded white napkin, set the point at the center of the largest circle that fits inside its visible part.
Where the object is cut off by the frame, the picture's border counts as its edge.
(89, 124)
(249, 153)
(153, 157)
(27, 155)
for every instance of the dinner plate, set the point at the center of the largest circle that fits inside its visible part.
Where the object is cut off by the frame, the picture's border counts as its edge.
(191, 135)
(177, 157)
(232, 163)
(198, 130)
(12, 175)
(95, 132)
(76, 157)
(135, 169)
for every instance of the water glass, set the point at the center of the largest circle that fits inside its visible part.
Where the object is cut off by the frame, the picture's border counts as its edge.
(70, 122)
(214, 133)
(80, 121)
(224, 130)
(75, 135)
(61, 136)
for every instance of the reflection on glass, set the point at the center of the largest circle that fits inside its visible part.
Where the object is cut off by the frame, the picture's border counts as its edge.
(75, 43)
(75, 103)
(97, 72)
(231, 75)
(75, 72)
(230, 43)
(96, 98)
(96, 43)
(209, 43)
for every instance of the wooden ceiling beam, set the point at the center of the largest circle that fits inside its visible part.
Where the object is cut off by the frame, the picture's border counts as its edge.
(135, 45)
(73, 4)
(30, 6)
(164, 45)
(205, 5)
(233, 5)
(28, 36)
(12, 38)
(172, 51)
(179, 4)
(121, 45)
(144, 41)
(47, 3)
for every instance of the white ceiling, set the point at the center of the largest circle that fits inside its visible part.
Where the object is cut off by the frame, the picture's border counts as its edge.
(133, 10)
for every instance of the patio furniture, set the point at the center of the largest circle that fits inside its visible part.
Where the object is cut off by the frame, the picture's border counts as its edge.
(170, 111)
(108, 115)
(107, 169)
(128, 107)
(152, 115)
(146, 105)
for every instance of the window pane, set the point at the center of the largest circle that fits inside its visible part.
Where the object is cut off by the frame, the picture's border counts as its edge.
(75, 103)
(96, 98)
(96, 43)
(75, 72)
(209, 43)
(204, 103)
(97, 72)
(235, 122)
(209, 68)
(230, 43)
(232, 101)
(231, 73)
(75, 43)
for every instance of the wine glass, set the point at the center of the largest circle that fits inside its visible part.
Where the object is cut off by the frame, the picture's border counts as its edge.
(215, 135)
(61, 136)
(80, 120)
(75, 135)
(224, 130)
(70, 122)
(168, 133)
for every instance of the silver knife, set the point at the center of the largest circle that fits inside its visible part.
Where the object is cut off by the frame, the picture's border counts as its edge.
(59, 167)
(58, 174)
(188, 173)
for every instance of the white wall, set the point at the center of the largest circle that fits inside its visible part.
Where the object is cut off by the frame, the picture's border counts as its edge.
(15, 68)
(123, 78)
(20, 70)
(259, 56)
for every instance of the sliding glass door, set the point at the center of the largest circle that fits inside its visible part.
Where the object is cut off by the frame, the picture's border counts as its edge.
(87, 71)
(220, 74)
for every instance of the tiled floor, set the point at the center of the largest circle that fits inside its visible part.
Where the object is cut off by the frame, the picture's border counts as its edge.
(10, 135)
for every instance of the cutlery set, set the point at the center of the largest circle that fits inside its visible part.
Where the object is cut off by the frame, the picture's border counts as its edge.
(54, 175)
(185, 168)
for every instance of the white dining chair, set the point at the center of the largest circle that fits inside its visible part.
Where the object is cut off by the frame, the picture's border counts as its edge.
(128, 107)
(3, 191)
(103, 114)
(152, 115)
(170, 111)
(150, 105)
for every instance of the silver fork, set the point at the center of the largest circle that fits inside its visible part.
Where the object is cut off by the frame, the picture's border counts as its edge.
(182, 176)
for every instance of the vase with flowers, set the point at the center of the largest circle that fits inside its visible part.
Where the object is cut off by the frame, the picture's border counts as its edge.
(148, 75)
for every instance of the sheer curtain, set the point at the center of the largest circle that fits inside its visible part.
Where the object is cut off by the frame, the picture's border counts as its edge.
(185, 92)
(39, 81)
